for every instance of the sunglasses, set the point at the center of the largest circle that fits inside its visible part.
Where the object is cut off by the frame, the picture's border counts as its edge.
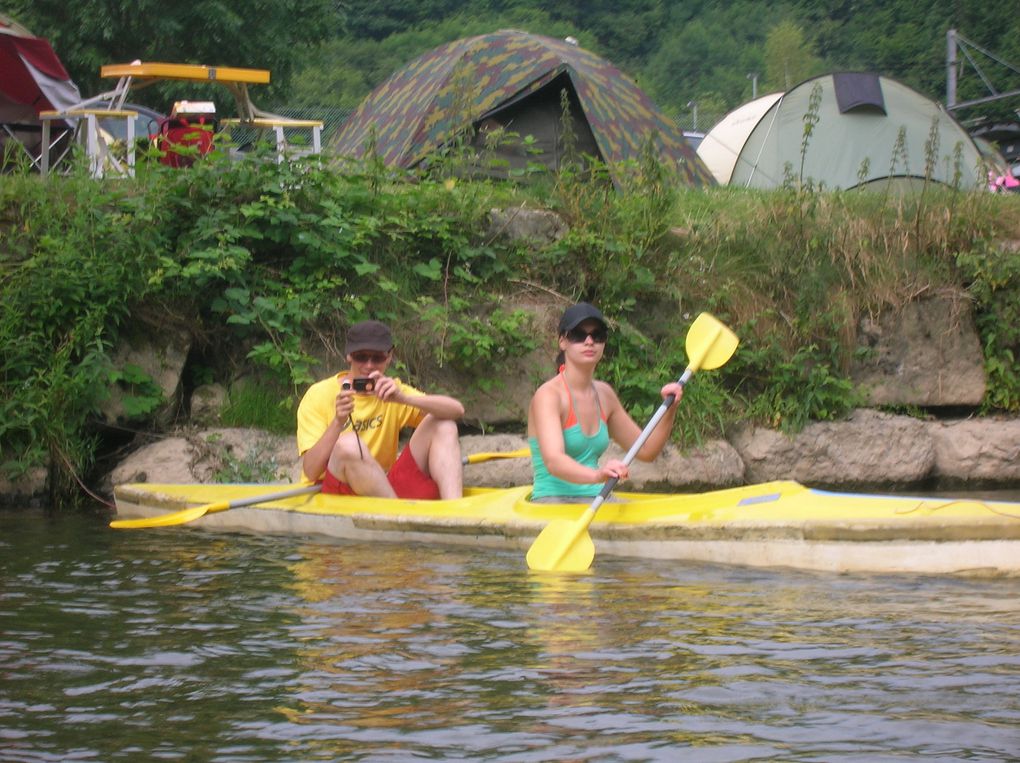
(365, 356)
(577, 335)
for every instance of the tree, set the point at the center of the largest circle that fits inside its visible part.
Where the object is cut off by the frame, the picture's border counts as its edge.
(706, 60)
(378, 19)
(342, 71)
(261, 34)
(789, 58)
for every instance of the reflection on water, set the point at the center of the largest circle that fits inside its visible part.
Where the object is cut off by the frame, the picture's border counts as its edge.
(184, 645)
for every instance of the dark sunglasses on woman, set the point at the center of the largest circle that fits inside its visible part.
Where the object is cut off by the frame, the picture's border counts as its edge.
(579, 335)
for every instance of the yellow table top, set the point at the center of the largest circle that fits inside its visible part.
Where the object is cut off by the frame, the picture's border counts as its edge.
(267, 122)
(192, 72)
(87, 112)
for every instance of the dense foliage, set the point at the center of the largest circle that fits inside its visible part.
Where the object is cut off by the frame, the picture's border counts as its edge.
(713, 55)
(265, 34)
(263, 264)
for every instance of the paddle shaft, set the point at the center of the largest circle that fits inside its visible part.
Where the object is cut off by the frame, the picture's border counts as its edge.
(189, 515)
(566, 545)
(272, 496)
(478, 458)
(667, 401)
(612, 482)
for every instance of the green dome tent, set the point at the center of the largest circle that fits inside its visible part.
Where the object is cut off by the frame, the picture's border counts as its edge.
(871, 130)
(513, 80)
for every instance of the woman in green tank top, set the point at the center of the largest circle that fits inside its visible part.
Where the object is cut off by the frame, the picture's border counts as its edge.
(573, 416)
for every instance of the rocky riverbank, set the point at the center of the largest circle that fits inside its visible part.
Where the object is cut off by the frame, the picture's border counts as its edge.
(925, 355)
(870, 450)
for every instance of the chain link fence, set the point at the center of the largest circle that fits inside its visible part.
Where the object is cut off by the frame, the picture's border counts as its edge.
(333, 119)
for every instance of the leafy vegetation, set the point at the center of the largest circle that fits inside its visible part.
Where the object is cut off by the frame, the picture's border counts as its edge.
(696, 54)
(261, 405)
(91, 33)
(266, 263)
(993, 275)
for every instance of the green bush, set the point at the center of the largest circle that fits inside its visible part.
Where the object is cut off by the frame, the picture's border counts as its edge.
(992, 276)
(265, 264)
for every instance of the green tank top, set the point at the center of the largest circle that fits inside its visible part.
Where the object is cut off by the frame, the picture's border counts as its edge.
(582, 448)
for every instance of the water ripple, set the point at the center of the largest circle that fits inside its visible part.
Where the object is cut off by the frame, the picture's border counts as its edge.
(183, 645)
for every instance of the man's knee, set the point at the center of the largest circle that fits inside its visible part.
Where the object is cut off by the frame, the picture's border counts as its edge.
(349, 448)
(433, 429)
(447, 429)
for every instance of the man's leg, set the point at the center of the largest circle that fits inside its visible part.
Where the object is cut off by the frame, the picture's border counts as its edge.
(435, 446)
(354, 465)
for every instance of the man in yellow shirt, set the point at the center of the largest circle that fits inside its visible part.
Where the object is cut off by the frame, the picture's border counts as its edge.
(349, 428)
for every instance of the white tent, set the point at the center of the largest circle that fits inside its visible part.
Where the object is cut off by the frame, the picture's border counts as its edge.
(870, 129)
(722, 144)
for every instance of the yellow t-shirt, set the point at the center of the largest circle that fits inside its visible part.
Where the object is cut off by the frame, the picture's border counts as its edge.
(378, 423)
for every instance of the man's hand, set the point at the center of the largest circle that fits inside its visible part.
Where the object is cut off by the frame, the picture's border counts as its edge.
(344, 405)
(386, 388)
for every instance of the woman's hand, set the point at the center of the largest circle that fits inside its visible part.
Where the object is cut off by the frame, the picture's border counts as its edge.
(673, 388)
(613, 468)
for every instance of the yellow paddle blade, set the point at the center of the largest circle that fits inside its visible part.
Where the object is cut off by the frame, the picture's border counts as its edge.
(165, 520)
(709, 343)
(477, 458)
(567, 546)
(562, 546)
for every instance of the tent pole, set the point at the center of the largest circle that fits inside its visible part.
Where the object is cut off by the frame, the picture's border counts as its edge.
(950, 70)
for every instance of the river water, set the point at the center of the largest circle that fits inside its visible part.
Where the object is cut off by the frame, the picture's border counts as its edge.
(179, 644)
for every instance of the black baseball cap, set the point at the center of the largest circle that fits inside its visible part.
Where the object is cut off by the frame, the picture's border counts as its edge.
(578, 314)
(369, 335)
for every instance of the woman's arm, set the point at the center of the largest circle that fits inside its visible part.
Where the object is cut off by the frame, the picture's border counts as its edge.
(625, 431)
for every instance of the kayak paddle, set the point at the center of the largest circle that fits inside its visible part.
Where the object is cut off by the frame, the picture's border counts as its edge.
(565, 545)
(478, 458)
(189, 515)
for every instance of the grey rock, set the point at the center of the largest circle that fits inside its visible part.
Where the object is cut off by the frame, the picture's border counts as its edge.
(982, 451)
(714, 464)
(927, 353)
(29, 489)
(538, 227)
(207, 403)
(162, 358)
(870, 448)
(199, 456)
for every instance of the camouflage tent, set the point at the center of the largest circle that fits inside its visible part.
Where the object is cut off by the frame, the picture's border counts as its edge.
(513, 82)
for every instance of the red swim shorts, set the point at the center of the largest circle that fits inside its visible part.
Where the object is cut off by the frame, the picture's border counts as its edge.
(406, 477)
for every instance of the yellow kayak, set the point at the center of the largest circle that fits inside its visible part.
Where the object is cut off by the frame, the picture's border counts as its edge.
(771, 524)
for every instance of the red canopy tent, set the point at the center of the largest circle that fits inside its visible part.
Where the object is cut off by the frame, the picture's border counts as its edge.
(32, 79)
